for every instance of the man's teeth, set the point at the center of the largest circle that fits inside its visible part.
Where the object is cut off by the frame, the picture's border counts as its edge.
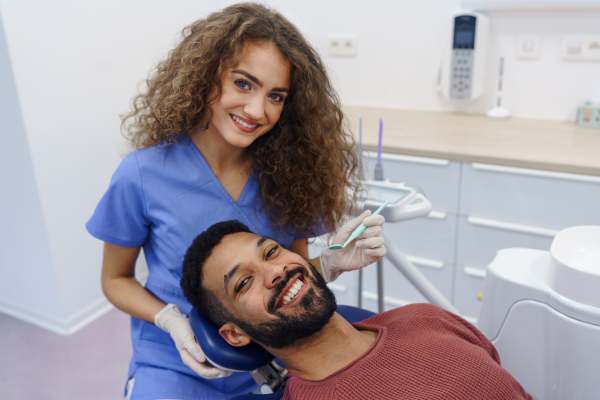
(242, 123)
(293, 291)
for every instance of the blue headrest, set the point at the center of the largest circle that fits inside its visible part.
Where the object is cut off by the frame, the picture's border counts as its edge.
(252, 356)
(220, 353)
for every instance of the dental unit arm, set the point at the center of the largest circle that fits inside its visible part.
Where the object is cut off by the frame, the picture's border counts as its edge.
(405, 202)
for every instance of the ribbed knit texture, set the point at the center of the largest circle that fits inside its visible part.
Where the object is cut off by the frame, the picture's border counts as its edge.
(422, 352)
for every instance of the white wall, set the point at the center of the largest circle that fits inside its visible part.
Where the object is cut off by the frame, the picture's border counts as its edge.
(76, 65)
(400, 45)
(28, 284)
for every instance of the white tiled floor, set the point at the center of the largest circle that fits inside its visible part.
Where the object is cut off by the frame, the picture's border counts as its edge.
(90, 364)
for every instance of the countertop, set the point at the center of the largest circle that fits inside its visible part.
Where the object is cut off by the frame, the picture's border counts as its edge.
(549, 145)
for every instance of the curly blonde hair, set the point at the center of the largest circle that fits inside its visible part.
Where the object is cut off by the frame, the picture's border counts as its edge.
(306, 164)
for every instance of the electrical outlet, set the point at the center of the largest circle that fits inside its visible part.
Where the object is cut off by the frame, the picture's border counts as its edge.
(592, 48)
(528, 47)
(343, 45)
(581, 48)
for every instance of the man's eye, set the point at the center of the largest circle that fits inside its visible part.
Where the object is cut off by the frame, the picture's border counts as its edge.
(270, 253)
(242, 284)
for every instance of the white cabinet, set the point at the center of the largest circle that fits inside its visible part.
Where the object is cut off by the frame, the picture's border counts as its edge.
(479, 239)
(478, 210)
(503, 207)
(530, 197)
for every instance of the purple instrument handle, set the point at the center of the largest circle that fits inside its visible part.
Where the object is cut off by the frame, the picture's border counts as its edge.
(379, 145)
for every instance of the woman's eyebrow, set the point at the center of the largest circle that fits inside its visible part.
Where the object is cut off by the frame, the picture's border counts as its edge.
(258, 82)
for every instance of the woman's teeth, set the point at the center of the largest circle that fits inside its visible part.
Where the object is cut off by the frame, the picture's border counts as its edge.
(293, 291)
(242, 123)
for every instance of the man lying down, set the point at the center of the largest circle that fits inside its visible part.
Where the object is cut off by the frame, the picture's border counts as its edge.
(255, 290)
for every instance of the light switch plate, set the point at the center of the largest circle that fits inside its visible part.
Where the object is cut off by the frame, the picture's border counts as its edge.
(529, 47)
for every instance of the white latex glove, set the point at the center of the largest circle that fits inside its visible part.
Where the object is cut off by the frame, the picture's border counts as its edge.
(171, 320)
(362, 251)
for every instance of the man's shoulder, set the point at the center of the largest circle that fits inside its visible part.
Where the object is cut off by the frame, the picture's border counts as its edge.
(417, 310)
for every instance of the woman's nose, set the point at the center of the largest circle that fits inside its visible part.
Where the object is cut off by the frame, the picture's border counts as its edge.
(255, 108)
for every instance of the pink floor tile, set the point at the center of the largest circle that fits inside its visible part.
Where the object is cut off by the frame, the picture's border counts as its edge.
(90, 364)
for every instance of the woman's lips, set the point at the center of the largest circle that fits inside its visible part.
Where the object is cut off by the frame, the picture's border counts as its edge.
(244, 124)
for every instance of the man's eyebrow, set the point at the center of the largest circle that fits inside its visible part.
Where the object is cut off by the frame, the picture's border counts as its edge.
(259, 83)
(228, 276)
(261, 241)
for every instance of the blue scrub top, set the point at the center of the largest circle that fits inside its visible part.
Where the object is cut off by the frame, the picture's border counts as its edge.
(161, 198)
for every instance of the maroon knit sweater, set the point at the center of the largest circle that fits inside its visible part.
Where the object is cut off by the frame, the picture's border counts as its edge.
(421, 352)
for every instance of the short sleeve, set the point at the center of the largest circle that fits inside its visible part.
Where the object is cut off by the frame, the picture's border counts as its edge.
(121, 217)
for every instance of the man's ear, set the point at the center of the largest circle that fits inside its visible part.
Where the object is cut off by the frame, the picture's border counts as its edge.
(234, 335)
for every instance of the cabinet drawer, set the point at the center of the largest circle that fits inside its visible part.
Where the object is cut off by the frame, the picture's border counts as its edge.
(398, 290)
(479, 239)
(469, 282)
(438, 178)
(528, 196)
(431, 237)
(345, 289)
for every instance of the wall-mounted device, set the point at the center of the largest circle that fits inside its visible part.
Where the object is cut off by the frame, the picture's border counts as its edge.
(463, 65)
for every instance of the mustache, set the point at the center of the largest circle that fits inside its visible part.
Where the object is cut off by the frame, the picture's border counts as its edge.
(282, 284)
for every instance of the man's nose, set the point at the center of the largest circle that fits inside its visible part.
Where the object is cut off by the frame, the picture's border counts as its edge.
(255, 107)
(274, 274)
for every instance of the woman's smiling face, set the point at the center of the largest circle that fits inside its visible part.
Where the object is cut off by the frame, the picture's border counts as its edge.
(252, 96)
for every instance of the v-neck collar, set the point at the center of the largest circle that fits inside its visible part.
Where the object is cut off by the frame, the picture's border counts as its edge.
(218, 183)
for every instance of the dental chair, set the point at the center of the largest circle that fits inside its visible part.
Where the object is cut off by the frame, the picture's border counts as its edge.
(405, 202)
(268, 374)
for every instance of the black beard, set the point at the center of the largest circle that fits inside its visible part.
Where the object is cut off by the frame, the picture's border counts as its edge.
(318, 305)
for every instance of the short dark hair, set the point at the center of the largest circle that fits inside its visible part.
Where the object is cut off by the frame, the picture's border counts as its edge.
(203, 300)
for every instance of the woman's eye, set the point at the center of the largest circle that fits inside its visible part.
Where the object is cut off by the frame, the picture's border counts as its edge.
(271, 252)
(276, 97)
(242, 84)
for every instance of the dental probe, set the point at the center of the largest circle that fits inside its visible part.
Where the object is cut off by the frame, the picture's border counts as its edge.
(361, 228)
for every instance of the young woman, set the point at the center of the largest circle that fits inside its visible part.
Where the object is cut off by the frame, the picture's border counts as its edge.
(239, 122)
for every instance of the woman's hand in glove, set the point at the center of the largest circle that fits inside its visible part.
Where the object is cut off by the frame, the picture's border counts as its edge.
(170, 319)
(367, 248)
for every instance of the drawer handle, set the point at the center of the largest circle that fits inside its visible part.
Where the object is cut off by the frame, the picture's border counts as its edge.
(535, 172)
(475, 272)
(386, 299)
(411, 159)
(425, 262)
(437, 215)
(337, 287)
(509, 226)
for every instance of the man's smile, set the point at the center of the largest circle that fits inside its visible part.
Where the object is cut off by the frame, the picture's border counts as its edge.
(293, 289)
(292, 292)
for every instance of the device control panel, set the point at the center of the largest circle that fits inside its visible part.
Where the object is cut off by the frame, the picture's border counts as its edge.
(463, 49)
